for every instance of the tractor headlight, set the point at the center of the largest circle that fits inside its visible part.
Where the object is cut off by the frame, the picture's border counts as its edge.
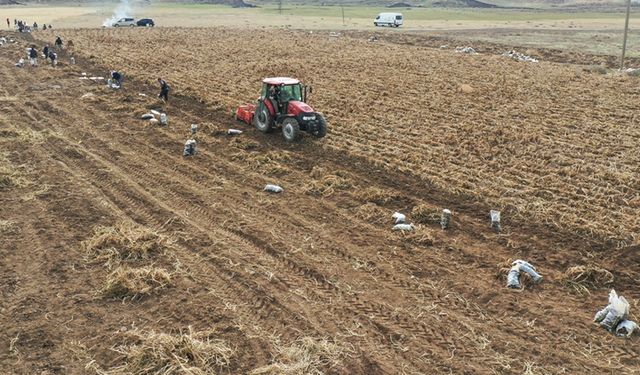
(308, 118)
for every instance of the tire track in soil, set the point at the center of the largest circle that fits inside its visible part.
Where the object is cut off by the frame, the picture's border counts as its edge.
(129, 199)
(204, 214)
(312, 276)
(126, 200)
(370, 308)
(302, 269)
(146, 211)
(525, 331)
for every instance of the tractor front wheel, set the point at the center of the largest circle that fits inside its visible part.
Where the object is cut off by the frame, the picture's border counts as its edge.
(322, 127)
(290, 129)
(262, 119)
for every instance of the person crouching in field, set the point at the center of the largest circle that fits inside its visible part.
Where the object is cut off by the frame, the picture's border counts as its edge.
(116, 80)
(54, 58)
(164, 90)
(33, 56)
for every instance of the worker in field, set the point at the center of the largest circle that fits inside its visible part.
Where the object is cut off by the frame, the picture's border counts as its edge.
(116, 79)
(45, 51)
(33, 56)
(54, 58)
(58, 43)
(164, 90)
(8, 23)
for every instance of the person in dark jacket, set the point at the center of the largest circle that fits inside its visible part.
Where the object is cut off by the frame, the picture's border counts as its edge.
(53, 56)
(116, 79)
(45, 50)
(164, 90)
(33, 56)
(58, 43)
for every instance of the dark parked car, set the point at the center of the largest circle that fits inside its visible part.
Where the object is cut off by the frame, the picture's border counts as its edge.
(146, 22)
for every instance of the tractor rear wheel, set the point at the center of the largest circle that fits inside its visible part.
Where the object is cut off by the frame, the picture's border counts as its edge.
(290, 129)
(262, 119)
(322, 128)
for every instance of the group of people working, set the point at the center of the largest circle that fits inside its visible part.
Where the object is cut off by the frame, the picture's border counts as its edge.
(115, 81)
(24, 27)
(47, 52)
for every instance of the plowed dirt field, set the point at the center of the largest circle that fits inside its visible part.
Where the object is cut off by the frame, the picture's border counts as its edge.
(114, 248)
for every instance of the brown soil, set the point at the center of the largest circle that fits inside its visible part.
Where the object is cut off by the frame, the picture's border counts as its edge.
(451, 40)
(263, 273)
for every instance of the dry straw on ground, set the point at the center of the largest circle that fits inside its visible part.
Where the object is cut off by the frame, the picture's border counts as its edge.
(136, 282)
(244, 144)
(583, 278)
(306, 356)
(326, 183)
(420, 236)
(10, 175)
(122, 242)
(377, 195)
(372, 213)
(184, 353)
(271, 162)
(8, 227)
(425, 214)
(551, 145)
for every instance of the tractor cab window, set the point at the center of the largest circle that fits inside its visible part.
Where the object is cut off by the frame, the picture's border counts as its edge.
(290, 92)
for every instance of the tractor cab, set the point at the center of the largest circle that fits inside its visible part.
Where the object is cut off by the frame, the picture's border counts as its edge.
(281, 91)
(282, 102)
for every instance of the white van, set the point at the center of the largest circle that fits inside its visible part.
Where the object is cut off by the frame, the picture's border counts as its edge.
(388, 19)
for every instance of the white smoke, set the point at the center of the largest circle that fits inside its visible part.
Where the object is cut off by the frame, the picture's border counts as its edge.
(122, 10)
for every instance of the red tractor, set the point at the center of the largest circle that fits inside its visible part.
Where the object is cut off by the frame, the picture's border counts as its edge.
(282, 103)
